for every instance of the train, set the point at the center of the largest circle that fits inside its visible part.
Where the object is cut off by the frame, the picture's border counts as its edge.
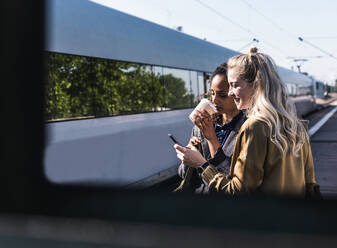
(101, 130)
(36, 212)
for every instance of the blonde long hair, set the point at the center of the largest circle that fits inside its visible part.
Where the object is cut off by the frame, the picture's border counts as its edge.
(270, 103)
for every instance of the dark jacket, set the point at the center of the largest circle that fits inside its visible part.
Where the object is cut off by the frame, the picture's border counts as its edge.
(191, 176)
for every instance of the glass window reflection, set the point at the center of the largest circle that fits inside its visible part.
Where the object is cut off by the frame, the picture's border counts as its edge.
(80, 87)
(178, 88)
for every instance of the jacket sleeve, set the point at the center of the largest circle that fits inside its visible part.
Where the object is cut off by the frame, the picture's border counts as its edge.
(312, 189)
(247, 163)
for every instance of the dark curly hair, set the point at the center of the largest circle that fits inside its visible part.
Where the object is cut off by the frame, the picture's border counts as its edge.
(220, 70)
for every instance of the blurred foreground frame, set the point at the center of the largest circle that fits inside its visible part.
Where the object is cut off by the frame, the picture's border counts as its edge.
(26, 192)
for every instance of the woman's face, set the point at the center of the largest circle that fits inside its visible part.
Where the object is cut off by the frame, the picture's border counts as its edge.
(219, 95)
(239, 89)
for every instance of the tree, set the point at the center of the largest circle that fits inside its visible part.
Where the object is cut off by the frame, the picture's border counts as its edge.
(175, 93)
(83, 86)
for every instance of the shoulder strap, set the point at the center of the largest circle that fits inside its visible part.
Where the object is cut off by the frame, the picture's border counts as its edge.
(228, 146)
(203, 148)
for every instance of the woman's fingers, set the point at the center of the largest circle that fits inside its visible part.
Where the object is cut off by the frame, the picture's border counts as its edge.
(203, 124)
(180, 152)
(179, 148)
(202, 115)
(197, 122)
(198, 114)
(180, 156)
(195, 140)
(192, 141)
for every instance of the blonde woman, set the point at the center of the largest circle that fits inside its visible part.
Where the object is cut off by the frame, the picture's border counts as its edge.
(272, 154)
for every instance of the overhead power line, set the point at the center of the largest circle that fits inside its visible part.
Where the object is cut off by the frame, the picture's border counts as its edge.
(305, 57)
(301, 59)
(269, 20)
(291, 34)
(321, 37)
(250, 43)
(318, 48)
(279, 51)
(236, 24)
(223, 16)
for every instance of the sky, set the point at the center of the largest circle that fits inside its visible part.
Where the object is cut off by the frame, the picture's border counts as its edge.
(272, 26)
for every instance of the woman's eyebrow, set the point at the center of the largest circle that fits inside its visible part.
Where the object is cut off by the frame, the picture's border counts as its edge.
(235, 82)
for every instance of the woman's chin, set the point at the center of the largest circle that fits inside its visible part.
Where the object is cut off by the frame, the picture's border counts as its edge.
(239, 105)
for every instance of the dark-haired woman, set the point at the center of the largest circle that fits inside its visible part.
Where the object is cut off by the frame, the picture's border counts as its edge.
(214, 140)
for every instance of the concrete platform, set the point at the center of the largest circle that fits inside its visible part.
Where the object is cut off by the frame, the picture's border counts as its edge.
(324, 150)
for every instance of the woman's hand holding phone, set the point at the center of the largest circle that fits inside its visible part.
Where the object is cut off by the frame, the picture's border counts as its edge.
(189, 157)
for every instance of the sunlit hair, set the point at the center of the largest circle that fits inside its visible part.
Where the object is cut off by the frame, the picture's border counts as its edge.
(269, 102)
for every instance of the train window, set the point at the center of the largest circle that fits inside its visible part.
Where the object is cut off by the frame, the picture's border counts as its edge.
(201, 85)
(196, 86)
(291, 89)
(207, 81)
(80, 87)
(96, 151)
(69, 94)
(178, 85)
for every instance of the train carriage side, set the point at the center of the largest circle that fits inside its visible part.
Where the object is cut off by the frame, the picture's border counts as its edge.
(300, 89)
(123, 149)
(122, 57)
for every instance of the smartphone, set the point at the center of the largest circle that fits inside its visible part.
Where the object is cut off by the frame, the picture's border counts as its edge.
(173, 139)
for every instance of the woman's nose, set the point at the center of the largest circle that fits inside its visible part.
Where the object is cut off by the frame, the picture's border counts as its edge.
(215, 98)
(230, 92)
